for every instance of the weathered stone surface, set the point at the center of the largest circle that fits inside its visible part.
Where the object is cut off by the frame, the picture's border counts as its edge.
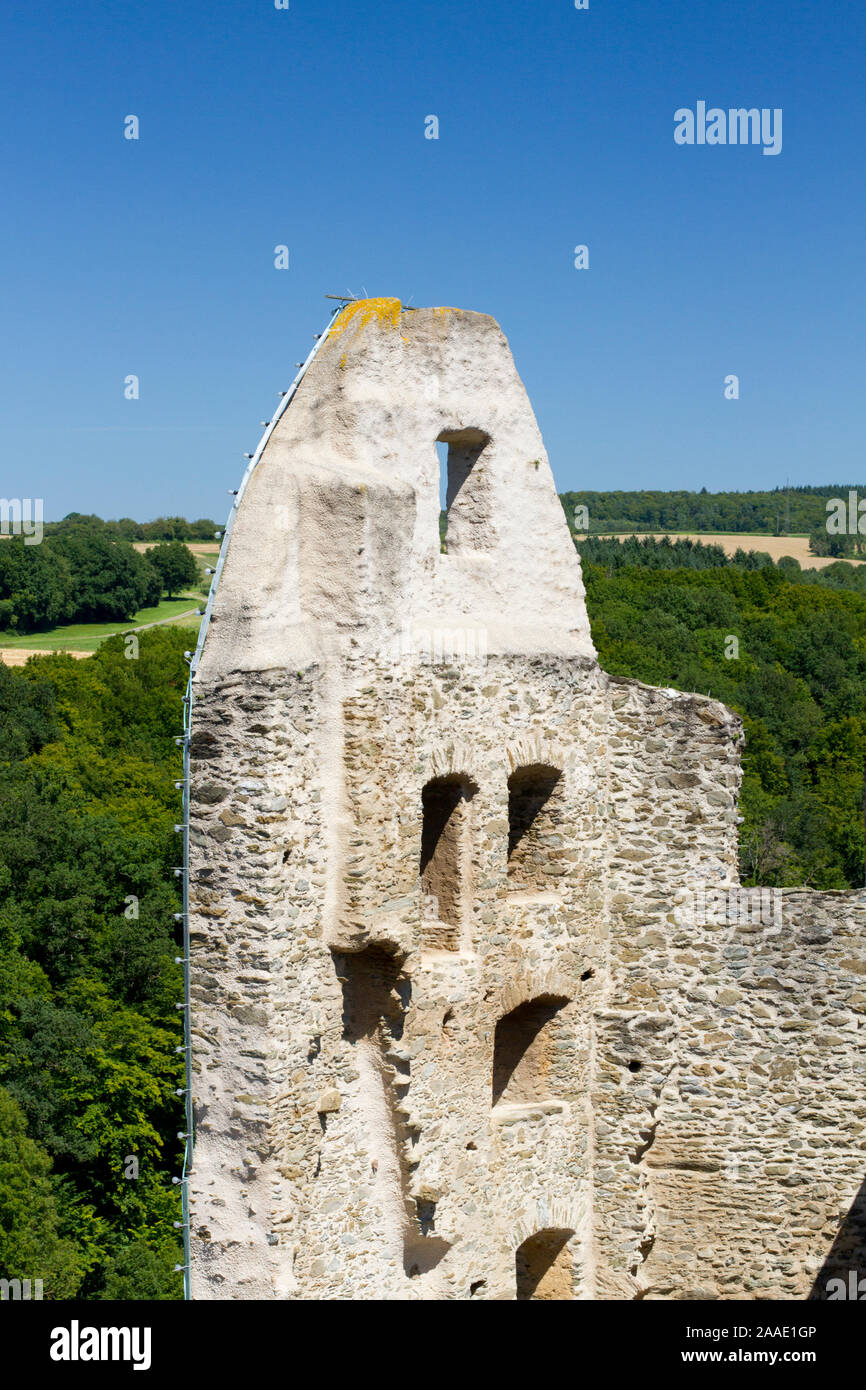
(486, 898)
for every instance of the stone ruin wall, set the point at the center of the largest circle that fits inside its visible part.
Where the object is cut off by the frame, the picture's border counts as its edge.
(701, 1136)
(463, 1025)
(749, 1103)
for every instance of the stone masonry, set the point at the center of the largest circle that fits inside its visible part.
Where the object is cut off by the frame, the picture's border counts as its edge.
(479, 1008)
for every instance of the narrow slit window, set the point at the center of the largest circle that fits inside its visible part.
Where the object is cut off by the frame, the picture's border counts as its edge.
(534, 829)
(465, 496)
(444, 879)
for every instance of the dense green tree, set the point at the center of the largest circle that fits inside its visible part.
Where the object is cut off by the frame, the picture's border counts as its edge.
(27, 715)
(88, 976)
(32, 1245)
(76, 521)
(175, 565)
(36, 586)
(110, 579)
(137, 1271)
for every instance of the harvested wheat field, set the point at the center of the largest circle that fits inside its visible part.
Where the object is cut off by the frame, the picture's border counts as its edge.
(17, 656)
(197, 547)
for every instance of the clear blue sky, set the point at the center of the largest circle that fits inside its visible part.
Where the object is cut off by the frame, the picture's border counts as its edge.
(306, 127)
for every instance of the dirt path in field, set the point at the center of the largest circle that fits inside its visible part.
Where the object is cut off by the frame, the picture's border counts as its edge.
(160, 622)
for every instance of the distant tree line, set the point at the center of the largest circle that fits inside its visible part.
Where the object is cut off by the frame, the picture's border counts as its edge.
(164, 528)
(82, 575)
(668, 553)
(795, 510)
(839, 544)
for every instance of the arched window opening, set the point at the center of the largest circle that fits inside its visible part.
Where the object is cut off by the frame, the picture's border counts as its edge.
(522, 1052)
(445, 805)
(543, 1267)
(534, 827)
(465, 522)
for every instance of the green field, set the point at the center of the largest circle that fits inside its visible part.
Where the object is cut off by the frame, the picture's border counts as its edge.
(87, 637)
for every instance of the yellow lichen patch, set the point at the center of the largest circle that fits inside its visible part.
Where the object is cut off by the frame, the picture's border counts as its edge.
(363, 310)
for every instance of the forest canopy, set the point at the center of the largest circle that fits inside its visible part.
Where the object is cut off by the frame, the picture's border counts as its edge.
(781, 511)
(88, 978)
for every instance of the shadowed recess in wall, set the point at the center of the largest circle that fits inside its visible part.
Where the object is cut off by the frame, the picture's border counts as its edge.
(521, 1052)
(467, 505)
(542, 1267)
(375, 993)
(845, 1264)
(376, 996)
(532, 825)
(445, 808)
